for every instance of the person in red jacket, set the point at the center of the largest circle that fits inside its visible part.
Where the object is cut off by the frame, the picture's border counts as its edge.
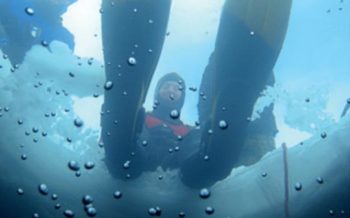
(165, 140)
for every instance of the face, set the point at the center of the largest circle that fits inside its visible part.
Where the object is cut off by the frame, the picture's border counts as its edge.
(170, 90)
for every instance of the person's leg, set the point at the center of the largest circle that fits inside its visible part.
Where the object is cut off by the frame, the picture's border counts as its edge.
(249, 40)
(133, 33)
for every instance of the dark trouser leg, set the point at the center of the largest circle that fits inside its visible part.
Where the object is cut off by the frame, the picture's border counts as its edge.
(131, 29)
(248, 43)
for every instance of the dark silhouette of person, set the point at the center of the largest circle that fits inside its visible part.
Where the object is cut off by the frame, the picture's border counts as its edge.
(248, 42)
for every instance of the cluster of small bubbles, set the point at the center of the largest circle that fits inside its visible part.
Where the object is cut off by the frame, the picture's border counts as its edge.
(54, 196)
(324, 135)
(298, 186)
(24, 157)
(36, 215)
(78, 122)
(20, 191)
(117, 194)
(131, 61)
(89, 165)
(204, 193)
(319, 180)
(29, 11)
(264, 174)
(68, 213)
(87, 199)
(126, 165)
(209, 210)
(223, 124)
(182, 214)
(43, 189)
(174, 114)
(73, 165)
(108, 85)
(193, 89)
(154, 211)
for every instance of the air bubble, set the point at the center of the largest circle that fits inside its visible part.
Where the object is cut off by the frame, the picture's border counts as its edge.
(44, 43)
(174, 114)
(87, 199)
(89, 165)
(73, 165)
(68, 213)
(91, 212)
(43, 189)
(20, 191)
(298, 186)
(117, 194)
(54, 197)
(108, 85)
(204, 193)
(324, 135)
(24, 157)
(319, 180)
(126, 165)
(223, 124)
(29, 11)
(78, 122)
(131, 61)
(209, 210)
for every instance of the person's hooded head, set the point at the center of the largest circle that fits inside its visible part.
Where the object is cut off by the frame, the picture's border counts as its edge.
(169, 94)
